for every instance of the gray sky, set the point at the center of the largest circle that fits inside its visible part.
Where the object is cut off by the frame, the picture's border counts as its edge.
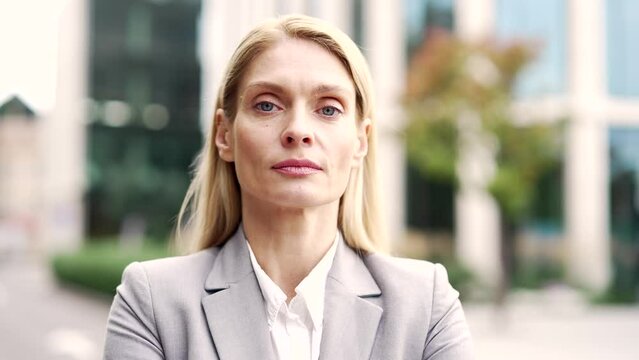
(29, 38)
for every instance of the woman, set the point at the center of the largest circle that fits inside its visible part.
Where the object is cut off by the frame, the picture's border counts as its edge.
(284, 214)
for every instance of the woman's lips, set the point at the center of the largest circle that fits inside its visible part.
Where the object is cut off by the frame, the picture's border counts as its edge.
(294, 167)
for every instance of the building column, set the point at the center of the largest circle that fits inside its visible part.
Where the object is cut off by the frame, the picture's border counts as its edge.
(338, 12)
(64, 136)
(474, 19)
(586, 157)
(384, 41)
(477, 223)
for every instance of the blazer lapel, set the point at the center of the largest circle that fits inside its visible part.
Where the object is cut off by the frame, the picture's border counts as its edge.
(235, 311)
(350, 318)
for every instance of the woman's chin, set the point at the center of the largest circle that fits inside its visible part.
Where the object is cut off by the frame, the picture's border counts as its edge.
(297, 200)
(303, 202)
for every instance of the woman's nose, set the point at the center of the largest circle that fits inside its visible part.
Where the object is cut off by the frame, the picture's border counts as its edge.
(298, 130)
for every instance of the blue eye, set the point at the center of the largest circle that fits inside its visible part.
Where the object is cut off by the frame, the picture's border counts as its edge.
(329, 111)
(265, 106)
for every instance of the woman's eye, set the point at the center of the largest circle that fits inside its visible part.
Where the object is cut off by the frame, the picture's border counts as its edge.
(329, 111)
(265, 106)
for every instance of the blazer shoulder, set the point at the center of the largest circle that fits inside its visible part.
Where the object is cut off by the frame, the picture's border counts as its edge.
(171, 272)
(404, 270)
(153, 293)
(419, 280)
(423, 287)
(199, 261)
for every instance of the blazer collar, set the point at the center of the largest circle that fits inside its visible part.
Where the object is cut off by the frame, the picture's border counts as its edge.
(234, 309)
(350, 318)
(351, 272)
(232, 264)
(237, 317)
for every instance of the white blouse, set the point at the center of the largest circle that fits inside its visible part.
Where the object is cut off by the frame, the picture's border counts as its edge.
(296, 328)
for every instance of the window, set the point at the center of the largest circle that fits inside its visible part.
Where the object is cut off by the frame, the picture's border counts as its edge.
(423, 15)
(429, 202)
(624, 210)
(622, 18)
(138, 35)
(543, 22)
(358, 23)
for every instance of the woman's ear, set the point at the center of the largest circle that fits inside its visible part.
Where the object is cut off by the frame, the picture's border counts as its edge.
(223, 136)
(363, 129)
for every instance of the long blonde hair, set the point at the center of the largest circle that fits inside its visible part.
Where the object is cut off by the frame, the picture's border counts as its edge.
(212, 203)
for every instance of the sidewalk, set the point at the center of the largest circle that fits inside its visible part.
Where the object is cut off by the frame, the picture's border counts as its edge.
(549, 326)
(41, 320)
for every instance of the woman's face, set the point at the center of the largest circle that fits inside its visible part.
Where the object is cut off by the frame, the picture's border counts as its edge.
(295, 138)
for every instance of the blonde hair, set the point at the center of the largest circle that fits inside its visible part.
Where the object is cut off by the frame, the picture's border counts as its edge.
(213, 199)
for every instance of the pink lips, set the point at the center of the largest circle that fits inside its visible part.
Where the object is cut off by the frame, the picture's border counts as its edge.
(293, 167)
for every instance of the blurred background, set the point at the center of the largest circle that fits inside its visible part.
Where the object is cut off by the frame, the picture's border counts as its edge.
(509, 143)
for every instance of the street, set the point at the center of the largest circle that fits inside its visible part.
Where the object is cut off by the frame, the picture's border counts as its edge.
(41, 320)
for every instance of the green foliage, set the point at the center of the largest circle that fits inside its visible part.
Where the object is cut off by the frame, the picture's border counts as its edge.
(459, 276)
(99, 264)
(613, 295)
(449, 78)
(436, 132)
(525, 155)
(537, 273)
(623, 288)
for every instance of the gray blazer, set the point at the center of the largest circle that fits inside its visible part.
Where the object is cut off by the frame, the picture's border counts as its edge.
(208, 305)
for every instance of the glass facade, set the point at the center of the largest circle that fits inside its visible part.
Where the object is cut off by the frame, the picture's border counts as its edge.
(544, 24)
(622, 19)
(424, 15)
(144, 124)
(624, 209)
(429, 202)
(358, 23)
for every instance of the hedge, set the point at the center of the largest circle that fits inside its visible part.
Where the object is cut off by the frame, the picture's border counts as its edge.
(99, 264)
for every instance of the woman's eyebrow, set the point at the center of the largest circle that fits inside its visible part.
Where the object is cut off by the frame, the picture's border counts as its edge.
(265, 85)
(317, 90)
(322, 89)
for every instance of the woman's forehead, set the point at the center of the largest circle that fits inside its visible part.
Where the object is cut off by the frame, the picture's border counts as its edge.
(298, 64)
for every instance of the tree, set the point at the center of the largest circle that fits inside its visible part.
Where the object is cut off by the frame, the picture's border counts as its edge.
(454, 87)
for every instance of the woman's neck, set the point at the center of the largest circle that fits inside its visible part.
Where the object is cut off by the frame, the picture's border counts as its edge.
(288, 243)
